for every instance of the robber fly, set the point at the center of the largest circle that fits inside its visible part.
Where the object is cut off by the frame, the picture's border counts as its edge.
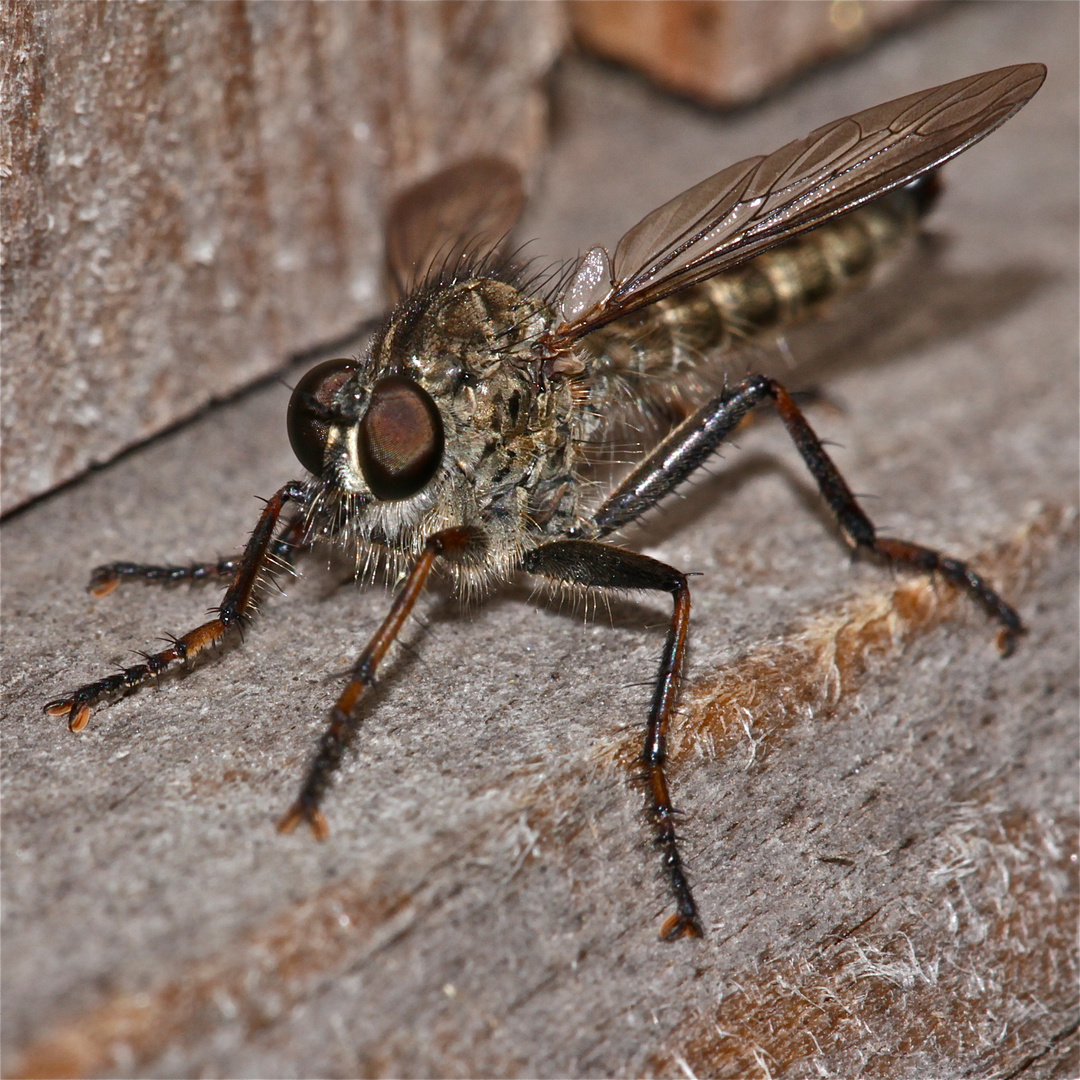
(461, 436)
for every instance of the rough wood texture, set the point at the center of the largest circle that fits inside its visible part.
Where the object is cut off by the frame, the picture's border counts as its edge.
(726, 52)
(880, 813)
(194, 191)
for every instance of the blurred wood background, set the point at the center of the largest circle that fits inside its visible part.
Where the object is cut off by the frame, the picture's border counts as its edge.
(194, 192)
(729, 53)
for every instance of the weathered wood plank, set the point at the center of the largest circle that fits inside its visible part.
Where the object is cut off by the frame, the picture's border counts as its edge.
(728, 52)
(194, 191)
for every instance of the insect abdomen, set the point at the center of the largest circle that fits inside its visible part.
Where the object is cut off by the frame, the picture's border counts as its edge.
(658, 357)
(794, 279)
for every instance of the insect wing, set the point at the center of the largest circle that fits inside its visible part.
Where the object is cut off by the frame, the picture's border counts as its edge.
(464, 211)
(762, 201)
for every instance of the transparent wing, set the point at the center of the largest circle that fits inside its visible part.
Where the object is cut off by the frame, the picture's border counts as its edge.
(760, 202)
(464, 210)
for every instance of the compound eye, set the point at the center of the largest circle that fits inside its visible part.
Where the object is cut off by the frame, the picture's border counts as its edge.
(400, 440)
(306, 421)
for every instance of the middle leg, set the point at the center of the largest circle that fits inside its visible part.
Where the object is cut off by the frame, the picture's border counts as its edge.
(603, 566)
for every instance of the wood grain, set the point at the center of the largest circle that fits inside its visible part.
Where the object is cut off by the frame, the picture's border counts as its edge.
(192, 192)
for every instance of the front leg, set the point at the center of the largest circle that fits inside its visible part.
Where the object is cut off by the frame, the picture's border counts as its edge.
(345, 716)
(602, 566)
(281, 553)
(236, 607)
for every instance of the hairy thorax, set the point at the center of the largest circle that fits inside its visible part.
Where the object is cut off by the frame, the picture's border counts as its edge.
(512, 438)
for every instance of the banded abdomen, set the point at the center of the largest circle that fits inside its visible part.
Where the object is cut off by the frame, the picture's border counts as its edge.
(663, 358)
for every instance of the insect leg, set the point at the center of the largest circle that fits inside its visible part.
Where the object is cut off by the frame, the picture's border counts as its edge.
(676, 457)
(282, 552)
(690, 444)
(236, 607)
(345, 715)
(595, 565)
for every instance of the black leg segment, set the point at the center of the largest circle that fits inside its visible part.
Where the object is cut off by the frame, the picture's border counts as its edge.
(861, 532)
(602, 566)
(690, 444)
(281, 554)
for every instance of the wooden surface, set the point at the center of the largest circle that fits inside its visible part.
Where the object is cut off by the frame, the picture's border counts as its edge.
(729, 52)
(192, 192)
(880, 814)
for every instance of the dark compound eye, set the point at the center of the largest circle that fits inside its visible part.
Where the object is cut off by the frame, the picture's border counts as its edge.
(400, 440)
(306, 421)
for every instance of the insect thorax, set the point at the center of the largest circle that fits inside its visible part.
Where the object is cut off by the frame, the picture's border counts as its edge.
(511, 435)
